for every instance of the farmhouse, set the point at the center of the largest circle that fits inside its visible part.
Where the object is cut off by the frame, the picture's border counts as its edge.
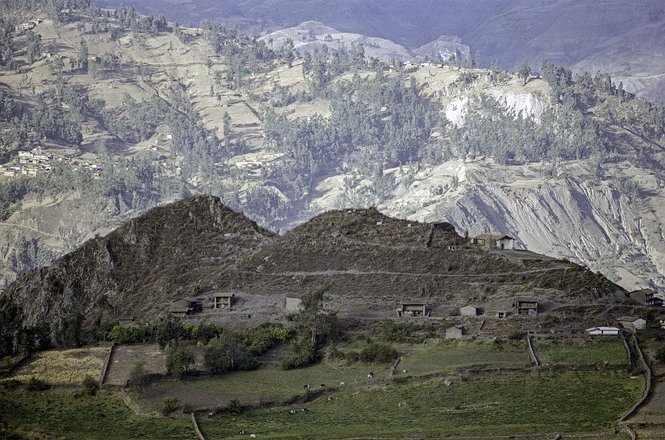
(526, 306)
(646, 297)
(412, 309)
(489, 242)
(603, 331)
(185, 306)
(223, 301)
(468, 311)
(632, 322)
(454, 332)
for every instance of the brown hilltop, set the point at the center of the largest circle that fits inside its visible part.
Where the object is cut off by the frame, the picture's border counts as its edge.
(166, 253)
(372, 262)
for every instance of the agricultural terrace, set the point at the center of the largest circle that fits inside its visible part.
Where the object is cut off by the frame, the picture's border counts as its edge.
(610, 352)
(66, 412)
(64, 367)
(514, 404)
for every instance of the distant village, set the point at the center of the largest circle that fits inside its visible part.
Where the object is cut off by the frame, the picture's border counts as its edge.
(37, 161)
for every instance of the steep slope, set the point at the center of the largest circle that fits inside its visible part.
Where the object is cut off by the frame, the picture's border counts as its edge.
(166, 253)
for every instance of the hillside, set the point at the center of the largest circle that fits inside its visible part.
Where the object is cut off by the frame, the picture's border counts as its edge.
(372, 262)
(623, 38)
(130, 112)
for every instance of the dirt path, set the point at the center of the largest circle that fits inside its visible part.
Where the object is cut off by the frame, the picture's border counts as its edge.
(409, 274)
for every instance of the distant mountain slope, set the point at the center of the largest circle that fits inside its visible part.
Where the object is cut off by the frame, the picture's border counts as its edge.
(624, 38)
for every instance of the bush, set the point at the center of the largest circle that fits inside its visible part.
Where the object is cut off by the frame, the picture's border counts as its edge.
(90, 386)
(660, 355)
(300, 359)
(378, 353)
(138, 377)
(178, 359)
(234, 406)
(171, 405)
(35, 384)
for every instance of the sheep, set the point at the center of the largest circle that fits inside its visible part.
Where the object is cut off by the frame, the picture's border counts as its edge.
(306, 385)
(370, 375)
(342, 384)
(322, 385)
(252, 436)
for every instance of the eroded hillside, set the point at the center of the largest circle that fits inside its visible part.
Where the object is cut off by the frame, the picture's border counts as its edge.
(572, 168)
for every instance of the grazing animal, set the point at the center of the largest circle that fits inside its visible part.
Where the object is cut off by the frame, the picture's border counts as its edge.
(305, 410)
(403, 371)
(306, 385)
(342, 384)
(322, 385)
(252, 436)
(370, 375)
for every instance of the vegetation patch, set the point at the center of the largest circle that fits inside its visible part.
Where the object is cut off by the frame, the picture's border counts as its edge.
(64, 367)
(570, 352)
(68, 413)
(567, 402)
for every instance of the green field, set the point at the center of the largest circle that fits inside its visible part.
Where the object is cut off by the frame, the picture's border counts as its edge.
(602, 352)
(436, 356)
(269, 384)
(529, 403)
(60, 411)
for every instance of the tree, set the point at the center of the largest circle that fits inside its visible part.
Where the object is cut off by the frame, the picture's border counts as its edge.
(138, 377)
(178, 358)
(524, 72)
(227, 353)
(319, 326)
(83, 55)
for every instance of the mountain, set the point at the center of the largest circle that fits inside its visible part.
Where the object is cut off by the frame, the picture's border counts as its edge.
(371, 261)
(623, 38)
(130, 112)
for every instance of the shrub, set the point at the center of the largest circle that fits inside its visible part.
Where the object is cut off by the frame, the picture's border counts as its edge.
(300, 359)
(378, 353)
(35, 384)
(234, 406)
(138, 377)
(171, 405)
(90, 385)
(178, 358)
(660, 354)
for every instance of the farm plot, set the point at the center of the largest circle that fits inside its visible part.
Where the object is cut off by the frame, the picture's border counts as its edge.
(66, 413)
(576, 352)
(437, 356)
(64, 367)
(268, 384)
(525, 404)
(125, 357)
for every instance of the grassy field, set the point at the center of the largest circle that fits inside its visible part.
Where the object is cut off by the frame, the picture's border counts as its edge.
(601, 352)
(63, 413)
(564, 402)
(442, 356)
(64, 367)
(269, 384)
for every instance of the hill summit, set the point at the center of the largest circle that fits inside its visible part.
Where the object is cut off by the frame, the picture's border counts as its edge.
(372, 263)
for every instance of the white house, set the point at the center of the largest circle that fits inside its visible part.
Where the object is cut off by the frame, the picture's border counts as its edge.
(603, 331)
(468, 311)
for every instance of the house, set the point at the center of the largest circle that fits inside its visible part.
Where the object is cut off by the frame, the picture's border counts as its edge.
(185, 307)
(490, 242)
(293, 305)
(646, 297)
(632, 322)
(454, 332)
(502, 314)
(412, 309)
(603, 331)
(526, 307)
(223, 301)
(468, 311)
